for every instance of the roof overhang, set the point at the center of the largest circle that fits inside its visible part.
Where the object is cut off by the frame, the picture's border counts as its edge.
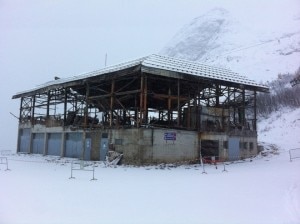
(157, 65)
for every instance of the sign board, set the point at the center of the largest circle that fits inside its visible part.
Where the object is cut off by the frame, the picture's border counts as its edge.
(170, 136)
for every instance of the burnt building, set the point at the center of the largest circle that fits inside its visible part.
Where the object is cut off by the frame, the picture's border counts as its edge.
(154, 109)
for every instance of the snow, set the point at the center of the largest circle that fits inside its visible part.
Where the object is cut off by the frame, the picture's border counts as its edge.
(265, 189)
(220, 39)
(37, 189)
(281, 128)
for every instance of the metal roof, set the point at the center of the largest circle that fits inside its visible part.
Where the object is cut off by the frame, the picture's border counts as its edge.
(197, 69)
(160, 62)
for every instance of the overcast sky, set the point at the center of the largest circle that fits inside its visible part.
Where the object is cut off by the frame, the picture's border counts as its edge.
(47, 38)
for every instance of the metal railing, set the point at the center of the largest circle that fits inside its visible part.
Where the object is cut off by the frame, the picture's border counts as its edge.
(213, 160)
(82, 166)
(4, 161)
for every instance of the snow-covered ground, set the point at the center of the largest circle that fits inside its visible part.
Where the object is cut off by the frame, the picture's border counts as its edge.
(281, 128)
(37, 189)
(265, 189)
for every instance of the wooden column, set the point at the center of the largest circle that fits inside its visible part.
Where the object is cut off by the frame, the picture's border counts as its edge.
(234, 107)
(111, 102)
(169, 105)
(178, 104)
(189, 113)
(141, 101)
(255, 115)
(86, 108)
(229, 107)
(145, 109)
(32, 110)
(48, 104)
(21, 109)
(65, 106)
(217, 95)
(198, 110)
(86, 113)
(243, 108)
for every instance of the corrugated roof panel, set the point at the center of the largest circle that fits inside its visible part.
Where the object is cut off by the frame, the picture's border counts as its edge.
(106, 70)
(205, 71)
(165, 63)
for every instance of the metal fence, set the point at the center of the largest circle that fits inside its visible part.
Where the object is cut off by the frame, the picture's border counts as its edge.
(294, 154)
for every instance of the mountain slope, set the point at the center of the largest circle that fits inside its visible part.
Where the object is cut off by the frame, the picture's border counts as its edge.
(281, 128)
(217, 38)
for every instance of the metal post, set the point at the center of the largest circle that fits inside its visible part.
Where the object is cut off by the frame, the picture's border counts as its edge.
(7, 165)
(94, 172)
(224, 170)
(6, 162)
(203, 169)
(202, 164)
(72, 171)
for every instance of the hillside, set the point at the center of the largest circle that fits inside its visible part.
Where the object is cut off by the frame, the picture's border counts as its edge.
(281, 128)
(261, 53)
(218, 38)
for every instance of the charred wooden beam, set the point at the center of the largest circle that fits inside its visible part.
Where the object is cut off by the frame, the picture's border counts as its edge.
(111, 102)
(178, 104)
(116, 94)
(145, 98)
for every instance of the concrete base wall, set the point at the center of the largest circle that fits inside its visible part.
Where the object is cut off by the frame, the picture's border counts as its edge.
(143, 146)
(139, 145)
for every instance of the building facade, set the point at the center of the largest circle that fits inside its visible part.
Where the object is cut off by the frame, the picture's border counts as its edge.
(154, 109)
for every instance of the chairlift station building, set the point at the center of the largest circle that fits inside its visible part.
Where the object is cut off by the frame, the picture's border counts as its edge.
(154, 109)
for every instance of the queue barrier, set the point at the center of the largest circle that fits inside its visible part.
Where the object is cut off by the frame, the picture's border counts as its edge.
(82, 166)
(4, 161)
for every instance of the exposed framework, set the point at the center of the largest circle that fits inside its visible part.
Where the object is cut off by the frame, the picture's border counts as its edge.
(152, 91)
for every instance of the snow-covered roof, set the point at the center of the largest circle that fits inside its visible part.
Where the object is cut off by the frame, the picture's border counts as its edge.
(197, 69)
(154, 61)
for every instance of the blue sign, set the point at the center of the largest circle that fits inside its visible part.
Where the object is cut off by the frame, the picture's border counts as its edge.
(170, 136)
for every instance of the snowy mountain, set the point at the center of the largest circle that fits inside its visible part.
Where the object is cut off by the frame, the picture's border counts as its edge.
(259, 52)
(218, 38)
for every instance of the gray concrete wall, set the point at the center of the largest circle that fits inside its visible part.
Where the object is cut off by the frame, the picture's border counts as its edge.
(184, 148)
(245, 152)
(150, 146)
(145, 146)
